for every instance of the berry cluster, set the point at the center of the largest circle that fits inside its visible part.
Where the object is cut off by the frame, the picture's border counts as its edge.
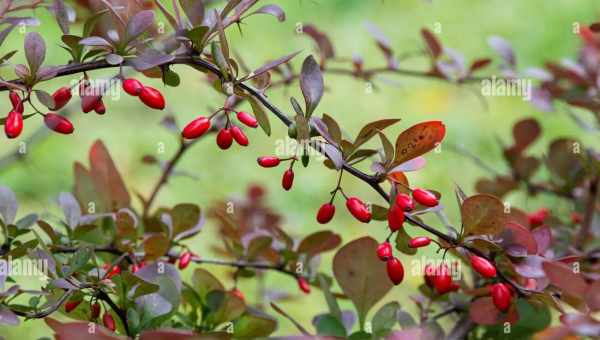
(288, 175)
(148, 95)
(226, 135)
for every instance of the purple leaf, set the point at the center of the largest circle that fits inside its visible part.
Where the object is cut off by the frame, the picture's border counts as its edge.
(95, 41)
(503, 48)
(531, 267)
(325, 45)
(271, 65)
(35, 50)
(383, 43)
(543, 238)
(8, 205)
(70, 208)
(139, 23)
(311, 84)
(194, 10)
(150, 58)
(273, 10)
(59, 10)
(7, 317)
(414, 164)
(333, 154)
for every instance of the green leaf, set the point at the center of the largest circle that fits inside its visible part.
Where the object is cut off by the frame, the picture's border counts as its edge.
(361, 275)
(328, 325)
(204, 282)
(261, 116)
(385, 319)
(333, 128)
(196, 35)
(254, 324)
(224, 307)
(81, 257)
(319, 242)
(332, 303)
(155, 246)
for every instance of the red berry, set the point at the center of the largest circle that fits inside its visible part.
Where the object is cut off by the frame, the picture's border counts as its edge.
(61, 97)
(114, 270)
(152, 98)
(108, 321)
(576, 217)
(429, 274)
(13, 124)
(358, 209)
(442, 281)
(288, 179)
(239, 136)
(268, 161)
(132, 86)
(58, 123)
(184, 260)
(384, 251)
(224, 139)
(196, 128)
(484, 267)
(100, 108)
(236, 292)
(395, 218)
(247, 119)
(70, 305)
(424, 197)
(135, 267)
(303, 284)
(405, 202)
(326, 212)
(395, 270)
(16, 102)
(418, 242)
(537, 217)
(95, 312)
(501, 296)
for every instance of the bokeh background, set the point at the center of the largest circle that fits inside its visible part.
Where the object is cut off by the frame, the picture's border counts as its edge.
(539, 30)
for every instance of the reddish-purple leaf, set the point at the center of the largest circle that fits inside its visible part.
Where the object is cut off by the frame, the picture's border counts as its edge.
(434, 46)
(311, 84)
(139, 23)
(273, 10)
(35, 50)
(194, 10)
(503, 48)
(564, 277)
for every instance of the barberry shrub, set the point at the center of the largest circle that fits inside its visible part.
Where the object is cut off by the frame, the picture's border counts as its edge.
(112, 264)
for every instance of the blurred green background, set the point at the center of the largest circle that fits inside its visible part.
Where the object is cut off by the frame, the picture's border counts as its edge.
(539, 30)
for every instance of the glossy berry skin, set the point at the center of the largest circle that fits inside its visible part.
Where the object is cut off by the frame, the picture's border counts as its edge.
(484, 267)
(100, 108)
(115, 270)
(13, 124)
(442, 281)
(268, 161)
(58, 123)
(395, 218)
(108, 321)
(395, 270)
(95, 311)
(89, 103)
(418, 242)
(196, 128)
(247, 119)
(224, 139)
(429, 274)
(358, 209)
(538, 217)
(325, 213)
(16, 102)
(152, 98)
(288, 179)
(384, 251)
(61, 97)
(405, 202)
(184, 260)
(239, 136)
(501, 296)
(71, 305)
(132, 86)
(303, 285)
(424, 197)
